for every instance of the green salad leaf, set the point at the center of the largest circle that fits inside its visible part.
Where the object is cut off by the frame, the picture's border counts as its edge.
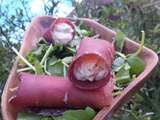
(55, 68)
(87, 114)
(39, 68)
(123, 76)
(117, 64)
(136, 63)
(120, 39)
(32, 58)
(27, 116)
(80, 114)
(67, 59)
(39, 50)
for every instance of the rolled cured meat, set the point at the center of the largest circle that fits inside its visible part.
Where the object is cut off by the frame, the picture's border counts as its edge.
(52, 91)
(91, 67)
(61, 31)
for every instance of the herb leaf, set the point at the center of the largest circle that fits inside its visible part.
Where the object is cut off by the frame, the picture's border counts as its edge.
(117, 64)
(123, 75)
(26, 116)
(56, 68)
(67, 59)
(120, 39)
(136, 63)
(87, 114)
(39, 68)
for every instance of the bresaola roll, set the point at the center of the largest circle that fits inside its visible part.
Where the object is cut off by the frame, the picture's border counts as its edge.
(61, 31)
(58, 92)
(91, 67)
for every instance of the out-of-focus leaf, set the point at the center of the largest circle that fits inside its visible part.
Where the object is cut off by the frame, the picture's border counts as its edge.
(138, 98)
(105, 12)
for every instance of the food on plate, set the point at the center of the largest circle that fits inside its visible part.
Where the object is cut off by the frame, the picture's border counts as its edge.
(61, 31)
(58, 92)
(77, 69)
(91, 66)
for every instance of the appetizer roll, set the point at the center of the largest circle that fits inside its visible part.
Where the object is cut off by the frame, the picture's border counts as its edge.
(61, 31)
(91, 67)
(57, 92)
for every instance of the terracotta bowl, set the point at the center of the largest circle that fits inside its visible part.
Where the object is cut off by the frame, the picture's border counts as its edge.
(36, 30)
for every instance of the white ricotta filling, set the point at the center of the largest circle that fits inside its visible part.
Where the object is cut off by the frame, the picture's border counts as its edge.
(62, 33)
(91, 70)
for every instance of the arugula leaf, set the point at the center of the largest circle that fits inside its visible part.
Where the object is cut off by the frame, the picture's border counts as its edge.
(57, 48)
(91, 113)
(21, 63)
(80, 114)
(136, 63)
(39, 50)
(67, 59)
(117, 64)
(123, 75)
(87, 114)
(56, 68)
(27, 116)
(62, 51)
(39, 68)
(48, 51)
(31, 58)
(52, 60)
(86, 32)
(75, 42)
(120, 41)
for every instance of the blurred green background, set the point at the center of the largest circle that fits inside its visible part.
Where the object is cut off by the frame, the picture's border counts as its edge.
(129, 16)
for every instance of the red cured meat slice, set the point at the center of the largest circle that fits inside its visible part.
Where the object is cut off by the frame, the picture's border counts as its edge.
(48, 35)
(91, 67)
(58, 92)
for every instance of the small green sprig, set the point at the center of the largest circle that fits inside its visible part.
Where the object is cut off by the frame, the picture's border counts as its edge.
(24, 60)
